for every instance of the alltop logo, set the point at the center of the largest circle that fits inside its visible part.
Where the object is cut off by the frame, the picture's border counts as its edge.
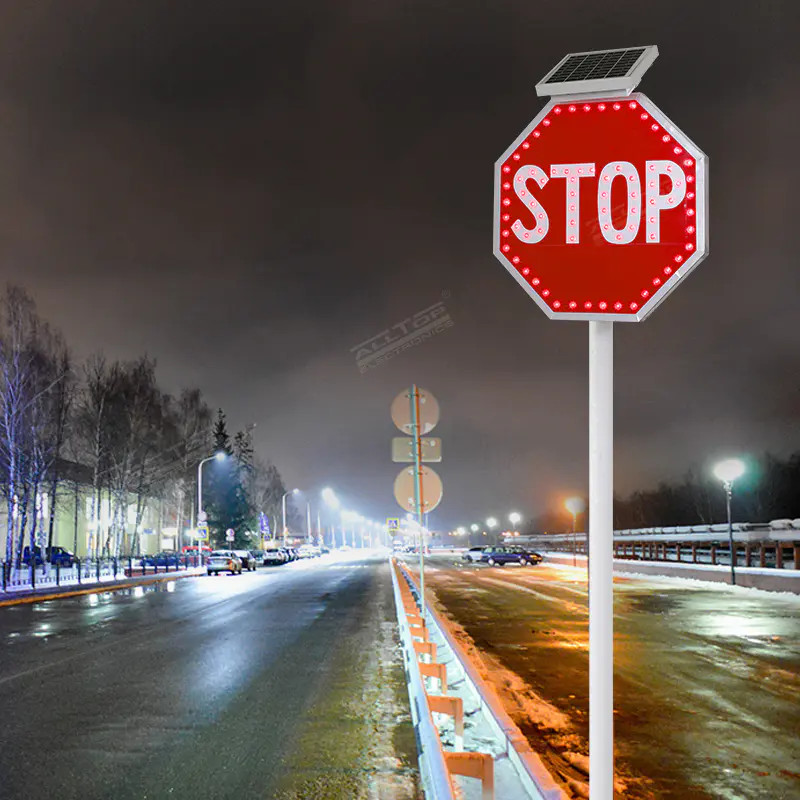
(403, 335)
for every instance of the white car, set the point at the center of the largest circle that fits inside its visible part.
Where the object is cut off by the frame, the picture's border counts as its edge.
(308, 551)
(473, 554)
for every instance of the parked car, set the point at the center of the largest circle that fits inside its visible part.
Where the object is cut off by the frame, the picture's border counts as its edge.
(247, 559)
(274, 556)
(55, 555)
(498, 556)
(291, 553)
(474, 553)
(308, 551)
(166, 558)
(224, 561)
(191, 550)
(533, 556)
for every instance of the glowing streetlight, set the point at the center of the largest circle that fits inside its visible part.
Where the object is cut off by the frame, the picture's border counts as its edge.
(461, 530)
(474, 528)
(575, 506)
(329, 496)
(201, 517)
(514, 518)
(729, 471)
(491, 522)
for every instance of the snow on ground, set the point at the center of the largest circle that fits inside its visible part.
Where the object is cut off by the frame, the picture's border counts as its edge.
(696, 583)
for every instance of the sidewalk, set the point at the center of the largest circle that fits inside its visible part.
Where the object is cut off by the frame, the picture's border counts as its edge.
(88, 585)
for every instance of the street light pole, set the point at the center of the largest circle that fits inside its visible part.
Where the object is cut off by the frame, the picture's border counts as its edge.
(283, 506)
(216, 457)
(728, 471)
(728, 485)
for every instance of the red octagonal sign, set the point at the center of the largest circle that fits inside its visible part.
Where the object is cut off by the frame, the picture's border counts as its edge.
(600, 208)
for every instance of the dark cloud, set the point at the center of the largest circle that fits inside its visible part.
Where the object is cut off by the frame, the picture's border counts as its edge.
(248, 190)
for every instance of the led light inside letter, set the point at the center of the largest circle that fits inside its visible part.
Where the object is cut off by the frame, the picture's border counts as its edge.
(572, 173)
(530, 172)
(633, 195)
(656, 201)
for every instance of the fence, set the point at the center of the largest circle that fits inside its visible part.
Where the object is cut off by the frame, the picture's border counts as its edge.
(29, 577)
(770, 545)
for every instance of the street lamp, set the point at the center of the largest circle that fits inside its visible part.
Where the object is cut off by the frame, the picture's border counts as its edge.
(283, 506)
(575, 506)
(729, 471)
(220, 456)
(514, 518)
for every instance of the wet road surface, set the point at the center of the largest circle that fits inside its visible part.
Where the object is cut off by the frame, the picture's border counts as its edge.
(707, 680)
(284, 683)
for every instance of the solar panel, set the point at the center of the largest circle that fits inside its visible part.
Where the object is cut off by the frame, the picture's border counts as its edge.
(598, 71)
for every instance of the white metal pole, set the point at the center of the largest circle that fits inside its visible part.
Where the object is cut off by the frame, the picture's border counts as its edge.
(308, 520)
(283, 507)
(728, 493)
(418, 498)
(199, 509)
(601, 564)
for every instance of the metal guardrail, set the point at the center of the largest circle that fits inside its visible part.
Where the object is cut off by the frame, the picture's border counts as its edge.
(433, 768)
(519, 766)
(775, 550)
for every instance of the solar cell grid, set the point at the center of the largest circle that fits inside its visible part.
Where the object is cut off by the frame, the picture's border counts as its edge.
(596, 66)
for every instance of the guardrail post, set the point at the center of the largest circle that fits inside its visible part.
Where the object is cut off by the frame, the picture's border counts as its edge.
(748, 553)
(779, 555)
(425, 649)
(58, 573)
(713, 554)
(436, 671)
(97, 569)
(678, 551)
(796, 555)
(474, 765)
(453, 707)
(420, 632)
(33, 572)
(762, 555)
(4, 576)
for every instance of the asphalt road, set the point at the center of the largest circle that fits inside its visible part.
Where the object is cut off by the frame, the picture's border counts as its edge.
(707, 679)
(283, 683)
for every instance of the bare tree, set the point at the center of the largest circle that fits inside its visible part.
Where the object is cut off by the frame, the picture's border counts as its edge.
(94, 421)
(34, 370)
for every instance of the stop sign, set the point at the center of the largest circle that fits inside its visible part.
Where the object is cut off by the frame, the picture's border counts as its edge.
(600, 208)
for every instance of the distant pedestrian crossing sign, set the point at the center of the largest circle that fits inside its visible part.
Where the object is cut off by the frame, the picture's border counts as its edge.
(202, 532)
(393, 523)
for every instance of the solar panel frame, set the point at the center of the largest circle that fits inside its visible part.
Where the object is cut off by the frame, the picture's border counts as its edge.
(598, 71)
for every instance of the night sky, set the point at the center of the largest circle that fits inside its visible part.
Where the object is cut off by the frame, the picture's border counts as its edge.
(247, 190)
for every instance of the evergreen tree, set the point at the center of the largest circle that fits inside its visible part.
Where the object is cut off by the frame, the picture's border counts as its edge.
(222, 442)
(226, 503)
